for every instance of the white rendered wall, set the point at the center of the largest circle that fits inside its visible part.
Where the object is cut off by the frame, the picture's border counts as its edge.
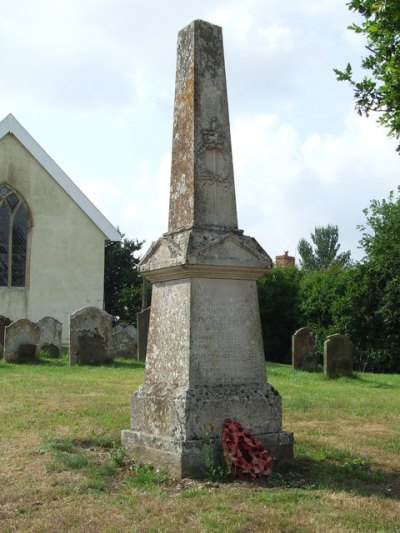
(66, 248)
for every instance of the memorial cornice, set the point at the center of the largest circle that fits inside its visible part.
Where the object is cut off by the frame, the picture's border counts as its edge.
(186, 271)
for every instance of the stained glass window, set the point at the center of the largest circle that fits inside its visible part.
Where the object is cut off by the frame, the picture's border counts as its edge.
(13, 238)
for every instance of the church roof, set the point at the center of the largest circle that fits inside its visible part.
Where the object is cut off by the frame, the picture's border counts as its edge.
(11, 125)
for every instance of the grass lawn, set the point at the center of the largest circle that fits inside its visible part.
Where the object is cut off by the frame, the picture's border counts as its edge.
(62, 467)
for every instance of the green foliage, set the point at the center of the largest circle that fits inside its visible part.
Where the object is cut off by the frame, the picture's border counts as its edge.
(216, 468)
(362, 301)
(86, 455)
(278, 293)
(146, 476)
(325, 253)
(116, 455)
(379, 90)
(377, 288)
(319, 294)
(122, 282)
(63, 444)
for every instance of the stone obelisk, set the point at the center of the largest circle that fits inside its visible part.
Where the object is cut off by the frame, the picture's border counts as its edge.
(205, 359)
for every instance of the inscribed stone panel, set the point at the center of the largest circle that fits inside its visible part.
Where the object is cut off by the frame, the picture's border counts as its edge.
(226, 340)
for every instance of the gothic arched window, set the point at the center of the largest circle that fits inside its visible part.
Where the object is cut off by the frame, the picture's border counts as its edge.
(14, 226)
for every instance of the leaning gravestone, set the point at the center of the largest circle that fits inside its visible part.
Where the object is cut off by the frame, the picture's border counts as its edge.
(4, 322)
(205, 359)
(338, 356)
(21, 341)
(50, 336)
(304, 350)
(90, 336)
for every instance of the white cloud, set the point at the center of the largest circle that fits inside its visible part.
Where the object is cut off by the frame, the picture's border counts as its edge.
(286, 185)
(275, 39)
(93, 82)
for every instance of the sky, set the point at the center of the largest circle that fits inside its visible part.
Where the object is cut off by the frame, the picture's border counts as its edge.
(93, 82)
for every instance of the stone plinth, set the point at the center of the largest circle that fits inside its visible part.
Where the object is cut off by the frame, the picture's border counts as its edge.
(205, 359)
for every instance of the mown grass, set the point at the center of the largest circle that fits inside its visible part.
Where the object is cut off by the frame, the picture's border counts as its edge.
(62, 467)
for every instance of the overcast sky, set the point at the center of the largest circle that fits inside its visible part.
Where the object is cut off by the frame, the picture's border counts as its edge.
(93, 82)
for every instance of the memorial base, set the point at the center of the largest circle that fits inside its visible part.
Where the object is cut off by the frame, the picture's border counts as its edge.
(180, 430)
(192, 458)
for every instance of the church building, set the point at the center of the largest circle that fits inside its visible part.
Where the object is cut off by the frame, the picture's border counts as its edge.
(52, 237)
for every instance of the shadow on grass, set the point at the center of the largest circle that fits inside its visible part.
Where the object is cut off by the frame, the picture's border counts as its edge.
(63, 362)
(338, 471)
(352, 474)
(357, 377)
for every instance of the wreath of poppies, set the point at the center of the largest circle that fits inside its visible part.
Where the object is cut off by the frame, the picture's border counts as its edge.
(245, 455)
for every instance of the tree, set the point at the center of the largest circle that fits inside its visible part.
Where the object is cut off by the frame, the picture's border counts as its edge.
(122, 282)
(278, 291)
(369, 311)
(325, 255)
(379, 90)
(320, 292)
(381, 242)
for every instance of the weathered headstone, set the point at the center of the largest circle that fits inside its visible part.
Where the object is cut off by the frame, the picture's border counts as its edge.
(50, 336)
(304, 350)
(130, 330)
(4, 322)
(338, 356)
(21, 341)
(205, 359)
(123, 343)
(142, 320)
(90, 336)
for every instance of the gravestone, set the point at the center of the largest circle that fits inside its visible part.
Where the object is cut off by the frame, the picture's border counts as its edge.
(90, 336)
(123, 343)
(4, 322)
(142, 320)
(21, 341)
(205, 359)
(50, 336)
(304, 350)
(338, 356)
(130, 330)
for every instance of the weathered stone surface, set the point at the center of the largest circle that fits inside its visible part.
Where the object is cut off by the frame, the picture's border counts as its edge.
(338, 356)
(202, 184)
(209, 252)
(142, 320)
(123, 343)
(304, 350)
(50, 336)
(188, 458)
(21, 341)
(205, 359)
(4, 322)
(90, 336)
